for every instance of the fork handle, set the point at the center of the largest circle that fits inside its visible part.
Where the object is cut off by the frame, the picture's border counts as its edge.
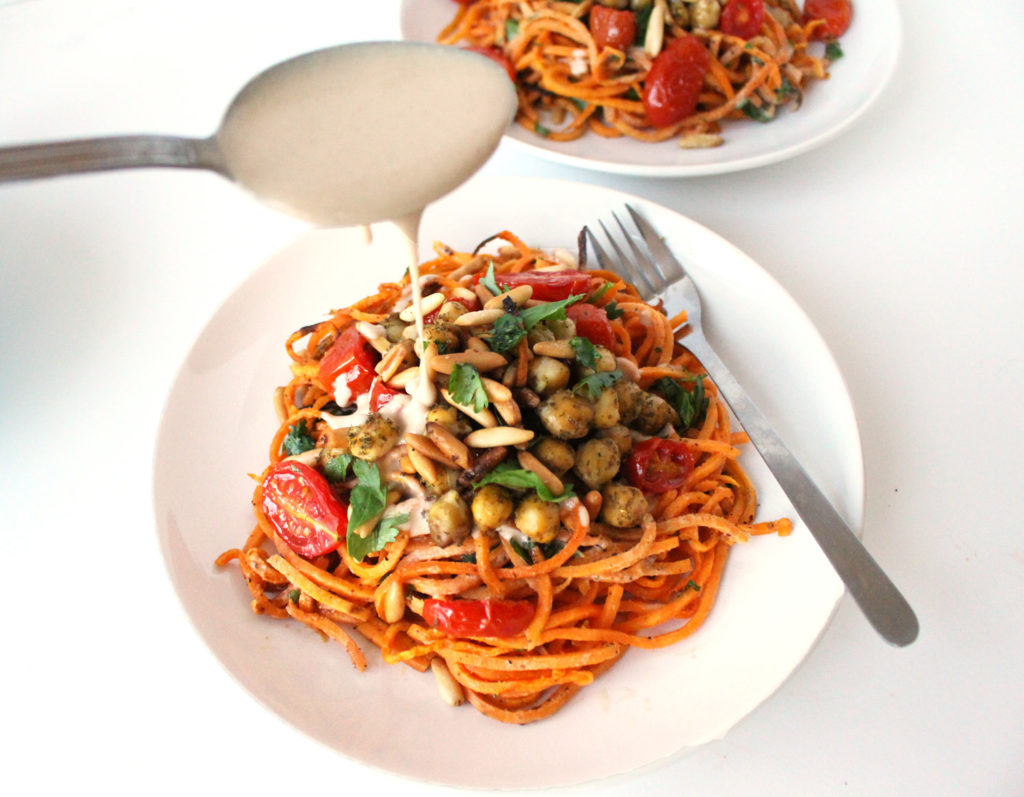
(883, 605)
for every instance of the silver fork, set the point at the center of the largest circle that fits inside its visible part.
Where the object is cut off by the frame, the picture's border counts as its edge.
(649, 264)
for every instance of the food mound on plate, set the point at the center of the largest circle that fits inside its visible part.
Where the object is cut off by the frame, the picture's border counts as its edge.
(653, 70)
(505, 468)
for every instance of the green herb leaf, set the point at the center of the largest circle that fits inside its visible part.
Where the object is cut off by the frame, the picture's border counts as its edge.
(508, 475)
(692, 404)
(542, 312)
(595, 383)
(586, 352)
(298, 440)
(466, 387)
(691, 584)
(643, 17)
(833, 52)
(294, 595)
(368, 497)
(613, 311)
(488, 280)
(336, 469)
(755, 113)
(511, 29)
(523, 549)
(581, 104)
(386, 531)
(785, 90)
(506, 332)
(593, 298)
(540, 130)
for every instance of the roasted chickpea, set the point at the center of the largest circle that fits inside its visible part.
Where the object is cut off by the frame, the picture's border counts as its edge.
(557, 455)
(492, 506)
(566, 415)
(621, 435)
(445, 481)
(605, 360)
(654, 413)
(705, 14)
(597, 462)
(394, 328)
(622, 506)
(449, 418)
(450, 311)
(629, 395)
(562, 328)
(606, 409)
(442, 335)
(547, 375)
(537, 518)
(374, 438)
(449, 519)
(538, 334)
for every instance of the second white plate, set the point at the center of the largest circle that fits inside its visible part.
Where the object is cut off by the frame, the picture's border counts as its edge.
(871, 48)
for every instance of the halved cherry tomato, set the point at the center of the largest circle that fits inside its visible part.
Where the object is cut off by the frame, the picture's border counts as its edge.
(303, 510)
(548, 286)
(352, 359)
(612, 28)
(674, 81)
(591, 323)
(497, 56)
(381, 394)
(657, 466)
(473, 618)
(742, 18)
(836, 13)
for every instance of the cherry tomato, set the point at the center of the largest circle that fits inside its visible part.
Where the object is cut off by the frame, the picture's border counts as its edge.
(674, 81)
(836, 13)
(611, 28)
(657, 466)
(591, 323)
(497, 618)
(742, 18)
(381, 394)
(350, 358)
(303, 510)
(497, 56)
(548, 286)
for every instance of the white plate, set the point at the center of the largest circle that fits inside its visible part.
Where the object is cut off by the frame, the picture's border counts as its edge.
(871, 48)
(777, 596)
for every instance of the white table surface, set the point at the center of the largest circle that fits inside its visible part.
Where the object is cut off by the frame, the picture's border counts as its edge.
(901, 239)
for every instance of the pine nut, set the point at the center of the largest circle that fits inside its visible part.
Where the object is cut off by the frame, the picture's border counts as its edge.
(551, 481)
(426, 447)
(393, 605)
(479, 318)
(448, 444)
(476, 344)
(481, 360)
(496, 391)
(560, 349)
(403, 378)
(471, 267)
(498, 436)
(425, 467)
(463, 295)
(509, 412)
(449, 689)
(484, 418)
(520, 295)
(483, 294)
(656, 29)
(393, 360)
(429, 304)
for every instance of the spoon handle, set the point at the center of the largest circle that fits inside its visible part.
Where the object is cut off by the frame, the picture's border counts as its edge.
(31, 161)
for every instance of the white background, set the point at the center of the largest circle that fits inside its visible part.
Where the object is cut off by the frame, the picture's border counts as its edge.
(901, 239)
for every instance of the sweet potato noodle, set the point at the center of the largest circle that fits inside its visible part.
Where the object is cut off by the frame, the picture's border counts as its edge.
(518, 488)
(570, 82)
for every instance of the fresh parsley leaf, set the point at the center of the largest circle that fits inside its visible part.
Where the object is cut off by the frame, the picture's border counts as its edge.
(581, 104)
(523, 549)
(613, 311)
(692, 405)
(753, 112)
(586, 352)
(294, 595)
(508, 475)
(643, 17)
(542, 312)
(785, 90)
(506, 332)
(833, 52)
(600, 292)
(540, 130)
(368, 497)
(510, 328)
(548, 549)
(386, 531)
(336, 469)
(488, 280)
(298, 440)
(595, 383)
(511, 29)
(466, 387)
